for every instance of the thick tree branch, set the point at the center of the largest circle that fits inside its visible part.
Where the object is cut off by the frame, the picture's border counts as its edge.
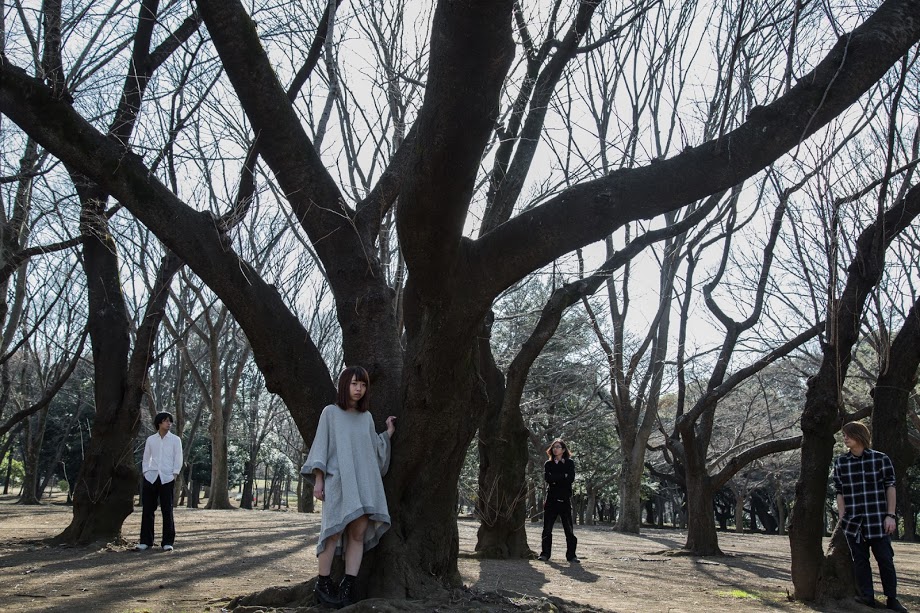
(689, 418)
(589, 211)
(471, 51)
(307, 184)
(754, 453)
(294, 369)
(15, 260)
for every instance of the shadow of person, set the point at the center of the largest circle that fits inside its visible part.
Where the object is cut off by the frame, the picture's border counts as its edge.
(576, 572)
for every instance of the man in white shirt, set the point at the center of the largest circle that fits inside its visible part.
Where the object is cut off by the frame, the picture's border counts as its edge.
(162, 463)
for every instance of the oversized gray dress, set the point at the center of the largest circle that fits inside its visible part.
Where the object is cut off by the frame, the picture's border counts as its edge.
(354, 459)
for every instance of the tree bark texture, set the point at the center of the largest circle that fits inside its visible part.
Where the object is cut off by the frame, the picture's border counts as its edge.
(629, 488)
(891, 396)
(503, 454)
(34, 437)
(702, 539)
(822, 415)
(220, 477)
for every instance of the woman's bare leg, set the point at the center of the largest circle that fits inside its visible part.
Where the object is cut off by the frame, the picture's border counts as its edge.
(324, 559)
(354, 548)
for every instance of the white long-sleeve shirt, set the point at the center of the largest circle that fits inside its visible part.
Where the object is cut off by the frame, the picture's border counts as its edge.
(162, 457)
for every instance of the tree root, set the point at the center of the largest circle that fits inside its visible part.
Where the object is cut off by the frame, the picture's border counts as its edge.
(299, 599)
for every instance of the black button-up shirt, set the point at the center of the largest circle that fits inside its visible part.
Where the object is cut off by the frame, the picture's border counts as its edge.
(862, 480)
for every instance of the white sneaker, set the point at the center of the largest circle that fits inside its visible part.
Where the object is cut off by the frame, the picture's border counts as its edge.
(140, 547)
(167, 547)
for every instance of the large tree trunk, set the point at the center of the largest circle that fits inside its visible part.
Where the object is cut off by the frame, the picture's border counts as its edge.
(105, 488)
(503, 454)
(107, 483)
(419, 553)
(502, 502)
(630, 491)
(823, 408)
(891, 396)
(702, 539)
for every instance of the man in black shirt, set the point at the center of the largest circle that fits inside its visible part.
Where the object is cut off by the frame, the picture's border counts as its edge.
(864, 481)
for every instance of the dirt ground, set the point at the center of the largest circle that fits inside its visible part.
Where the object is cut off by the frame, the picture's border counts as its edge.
(221, 554)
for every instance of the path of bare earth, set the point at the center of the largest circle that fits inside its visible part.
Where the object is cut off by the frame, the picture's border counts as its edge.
(221, 554)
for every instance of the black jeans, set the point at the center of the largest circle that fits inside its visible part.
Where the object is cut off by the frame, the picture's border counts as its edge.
(884, 556)
(151, 495)
(563, 510)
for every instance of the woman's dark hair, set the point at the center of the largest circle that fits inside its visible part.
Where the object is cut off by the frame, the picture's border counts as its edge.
(353, 372)
(858, 432)
(565, 449)
(160, 418)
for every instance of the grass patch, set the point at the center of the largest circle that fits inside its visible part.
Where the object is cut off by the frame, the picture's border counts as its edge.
(736, 593)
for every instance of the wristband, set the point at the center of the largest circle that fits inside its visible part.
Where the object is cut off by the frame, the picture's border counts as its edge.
(892, 516)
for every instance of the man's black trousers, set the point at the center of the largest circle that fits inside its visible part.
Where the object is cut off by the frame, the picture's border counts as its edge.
(154, 494)
(563, 510)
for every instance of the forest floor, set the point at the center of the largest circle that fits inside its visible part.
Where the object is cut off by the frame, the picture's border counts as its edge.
(222, 554)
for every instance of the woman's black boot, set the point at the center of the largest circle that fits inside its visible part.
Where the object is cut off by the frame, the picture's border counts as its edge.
(326, 591)
(347, 590)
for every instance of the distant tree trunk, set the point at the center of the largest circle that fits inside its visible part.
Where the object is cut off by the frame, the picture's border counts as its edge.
(739, 510)
(629, 487)
(908, 514)
(590, 504)
(34, 436)
(62, 445)
(780, 513)
(248, 477)
(220, 480)
(305, 501)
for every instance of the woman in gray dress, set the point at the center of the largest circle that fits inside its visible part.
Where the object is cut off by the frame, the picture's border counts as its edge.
(348, 459)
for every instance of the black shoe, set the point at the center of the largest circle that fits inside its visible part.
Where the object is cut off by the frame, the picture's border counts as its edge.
(326, 591)
(543, 557)
(894, 605)
(574, 560)
(347, 591)
(869, 602)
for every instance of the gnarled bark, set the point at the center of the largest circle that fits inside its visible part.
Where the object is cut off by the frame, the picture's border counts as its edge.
(823, 412)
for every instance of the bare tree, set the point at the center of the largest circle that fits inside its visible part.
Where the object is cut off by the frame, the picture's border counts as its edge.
(428, 372)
